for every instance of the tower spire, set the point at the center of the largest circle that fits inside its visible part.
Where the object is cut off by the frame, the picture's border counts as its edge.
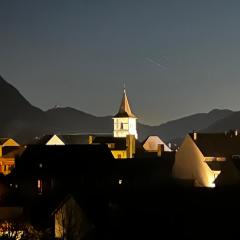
(125, 110)
(125, 122)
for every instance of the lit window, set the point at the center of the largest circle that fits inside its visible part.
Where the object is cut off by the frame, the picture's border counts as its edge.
(120, 181)
(39, 186)
(40, 165)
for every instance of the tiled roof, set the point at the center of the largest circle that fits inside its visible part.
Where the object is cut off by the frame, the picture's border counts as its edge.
(120, 143)
(43, 140)
(217, 144)
(3, 140)
(57, 157)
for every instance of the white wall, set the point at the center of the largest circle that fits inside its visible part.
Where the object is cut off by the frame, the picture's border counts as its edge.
(129, 127)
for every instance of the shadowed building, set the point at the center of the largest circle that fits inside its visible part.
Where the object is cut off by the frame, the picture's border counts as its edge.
(41, 168)
(71, 218)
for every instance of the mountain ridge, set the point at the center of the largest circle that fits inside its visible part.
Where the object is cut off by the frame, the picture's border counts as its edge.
(23, 121)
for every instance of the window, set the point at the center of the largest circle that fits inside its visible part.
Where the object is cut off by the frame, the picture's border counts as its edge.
(111, 145)
(39, 186)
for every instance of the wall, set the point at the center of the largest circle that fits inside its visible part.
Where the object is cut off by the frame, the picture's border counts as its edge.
(70, 221)
(116, 153)
(129, 127)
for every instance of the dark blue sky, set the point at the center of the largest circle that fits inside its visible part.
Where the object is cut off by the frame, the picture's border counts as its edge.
(176, 57)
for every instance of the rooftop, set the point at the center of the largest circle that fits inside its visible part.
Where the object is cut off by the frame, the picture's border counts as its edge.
(217, 144)
(125, 110)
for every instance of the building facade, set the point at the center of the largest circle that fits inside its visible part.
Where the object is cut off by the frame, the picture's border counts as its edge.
(125, 122)
(208, 159)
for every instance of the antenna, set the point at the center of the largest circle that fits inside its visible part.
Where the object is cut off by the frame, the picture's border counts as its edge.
(124, 87)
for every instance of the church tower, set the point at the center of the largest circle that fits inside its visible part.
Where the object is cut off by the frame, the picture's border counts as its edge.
(125, 122)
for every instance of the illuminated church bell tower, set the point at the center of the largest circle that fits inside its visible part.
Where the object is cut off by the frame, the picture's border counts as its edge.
(125, 122)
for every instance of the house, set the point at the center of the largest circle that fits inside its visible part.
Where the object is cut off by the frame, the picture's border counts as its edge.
(71, 220)
(6, 144)
(207, 158)
(155, 144)
(9, 150)
(50, 139)
(40, 169)
(124, 147)
(143, 173)
(61, 139)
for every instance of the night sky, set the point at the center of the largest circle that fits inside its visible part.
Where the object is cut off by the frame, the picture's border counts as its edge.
(176, 57)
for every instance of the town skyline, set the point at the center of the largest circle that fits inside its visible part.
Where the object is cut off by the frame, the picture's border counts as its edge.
(176, 58)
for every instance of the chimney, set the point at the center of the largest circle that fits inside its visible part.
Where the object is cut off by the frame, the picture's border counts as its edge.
(160, 149)
(236, 132)
(194, 135)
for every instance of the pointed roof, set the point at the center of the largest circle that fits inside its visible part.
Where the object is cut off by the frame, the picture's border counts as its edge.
(151, 144)
(125, 110)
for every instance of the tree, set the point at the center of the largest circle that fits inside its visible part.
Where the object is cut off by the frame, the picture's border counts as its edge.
(16, 230)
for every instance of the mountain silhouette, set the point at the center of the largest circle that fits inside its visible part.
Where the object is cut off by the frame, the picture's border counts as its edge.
(231, 122)
(177, 129)
(70, 120)
(18, 116)
(23, 121)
